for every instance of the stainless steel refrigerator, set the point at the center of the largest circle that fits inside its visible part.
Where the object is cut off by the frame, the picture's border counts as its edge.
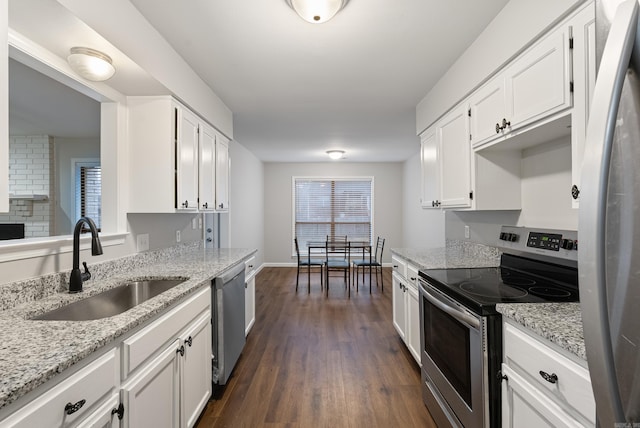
(609, 218)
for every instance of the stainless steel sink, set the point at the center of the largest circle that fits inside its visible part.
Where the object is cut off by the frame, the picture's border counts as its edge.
(111, 302)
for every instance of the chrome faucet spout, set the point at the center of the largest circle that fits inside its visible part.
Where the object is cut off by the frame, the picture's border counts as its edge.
(77, 278)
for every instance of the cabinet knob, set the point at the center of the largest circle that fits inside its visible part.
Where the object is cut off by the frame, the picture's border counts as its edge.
(185, 204)
(551, 378)
(502, 376)
(205, 205)
(505, 123)
(498, 128)
(189, 341)
(118, 411)
(221, 206)
(180, 350)
(70, 408)
(575, 192)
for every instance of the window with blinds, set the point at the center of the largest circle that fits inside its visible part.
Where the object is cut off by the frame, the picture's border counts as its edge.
(89, 193)
(332, 207)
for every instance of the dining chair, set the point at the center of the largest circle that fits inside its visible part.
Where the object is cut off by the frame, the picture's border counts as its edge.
(337, 256)
(309, 263)
(373, 262)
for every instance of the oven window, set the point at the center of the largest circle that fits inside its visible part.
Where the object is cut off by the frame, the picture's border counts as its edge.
(447, 343)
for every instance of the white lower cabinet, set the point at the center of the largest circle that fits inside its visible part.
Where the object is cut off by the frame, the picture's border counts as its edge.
(71, 401)
(249, 294)
(544, 387)
(159, 376)
(151, 397)
(406, 309)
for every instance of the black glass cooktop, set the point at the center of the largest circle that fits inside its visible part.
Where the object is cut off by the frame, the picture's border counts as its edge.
(517, 280)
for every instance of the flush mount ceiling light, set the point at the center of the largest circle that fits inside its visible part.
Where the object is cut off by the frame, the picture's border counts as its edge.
(91, 64)
(317, 11)
(335, 154)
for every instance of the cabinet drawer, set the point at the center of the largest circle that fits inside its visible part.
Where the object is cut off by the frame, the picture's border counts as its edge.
(91, 384)
(531, 356)
(412, 275)
(142, 345)
(399, 266)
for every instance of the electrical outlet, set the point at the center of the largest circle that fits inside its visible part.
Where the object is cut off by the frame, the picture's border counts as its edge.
(194, 223)
(466, 232)
(143, 242)
(177, 236)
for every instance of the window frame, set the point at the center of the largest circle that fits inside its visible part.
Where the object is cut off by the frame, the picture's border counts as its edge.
(366, 178)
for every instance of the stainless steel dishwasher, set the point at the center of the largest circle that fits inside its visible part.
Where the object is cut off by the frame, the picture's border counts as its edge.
(228, 322)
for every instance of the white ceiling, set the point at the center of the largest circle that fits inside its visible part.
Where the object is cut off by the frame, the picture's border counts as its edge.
(298, 89)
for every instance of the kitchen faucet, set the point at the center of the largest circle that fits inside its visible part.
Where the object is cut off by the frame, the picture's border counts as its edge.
(77, 278)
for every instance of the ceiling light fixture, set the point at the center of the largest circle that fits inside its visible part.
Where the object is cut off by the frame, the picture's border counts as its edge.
(317, 11)
(91, 64)
(335, 154)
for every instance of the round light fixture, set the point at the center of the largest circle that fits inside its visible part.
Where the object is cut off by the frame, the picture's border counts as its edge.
(317, 11)
(335, 154)
(91, 64)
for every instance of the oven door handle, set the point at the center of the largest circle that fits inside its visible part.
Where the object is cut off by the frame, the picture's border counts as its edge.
(454, 312)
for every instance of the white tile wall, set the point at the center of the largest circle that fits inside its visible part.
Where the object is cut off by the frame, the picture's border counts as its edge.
(31, 169)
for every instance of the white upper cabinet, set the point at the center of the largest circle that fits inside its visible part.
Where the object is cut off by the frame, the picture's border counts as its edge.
(207, 192)
(455, 154)
(187, 160)
(222, 173)
(534, 87)
(584, 77)
(538, 83)
(177, 161)
(430, 164)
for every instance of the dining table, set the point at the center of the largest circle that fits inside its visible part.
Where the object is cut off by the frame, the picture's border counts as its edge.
(316, 248)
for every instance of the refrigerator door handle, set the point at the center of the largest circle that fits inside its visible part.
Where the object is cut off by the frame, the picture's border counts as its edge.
(616, 58)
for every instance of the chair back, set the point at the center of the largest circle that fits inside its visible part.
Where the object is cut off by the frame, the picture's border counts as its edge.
(379, 249)
(337, 249)
(295, 240)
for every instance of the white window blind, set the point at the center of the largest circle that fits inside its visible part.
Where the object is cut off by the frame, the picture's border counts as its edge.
(332, 207)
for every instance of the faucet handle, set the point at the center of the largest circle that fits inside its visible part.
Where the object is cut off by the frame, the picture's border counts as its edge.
(86, 275)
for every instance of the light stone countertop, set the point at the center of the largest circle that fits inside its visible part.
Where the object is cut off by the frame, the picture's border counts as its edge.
(560, 323)
(33, 352)
(457, 254)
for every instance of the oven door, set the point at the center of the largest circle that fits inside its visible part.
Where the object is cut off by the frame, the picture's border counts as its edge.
(454, 360)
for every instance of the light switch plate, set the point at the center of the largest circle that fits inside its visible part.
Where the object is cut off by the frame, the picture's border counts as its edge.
(177, 236)
(466, 232)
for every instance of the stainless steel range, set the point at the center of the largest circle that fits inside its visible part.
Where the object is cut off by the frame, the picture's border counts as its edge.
(461, 332)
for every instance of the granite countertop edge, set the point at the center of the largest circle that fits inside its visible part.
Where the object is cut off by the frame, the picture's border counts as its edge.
(559, 323)
(47, 348)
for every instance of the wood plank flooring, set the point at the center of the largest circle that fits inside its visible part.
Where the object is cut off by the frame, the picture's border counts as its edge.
(317, 361)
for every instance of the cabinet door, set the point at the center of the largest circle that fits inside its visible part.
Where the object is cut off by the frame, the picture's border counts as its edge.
(196, 370)
(584, 78)
(151, 397)
(525, 407)
(487, 111)
(413, 322)
(222, 173)
(207, 168)
(399, 311)
(430, 167)
(187, 161)
(455, 155)
(250, 304)
(538, 82)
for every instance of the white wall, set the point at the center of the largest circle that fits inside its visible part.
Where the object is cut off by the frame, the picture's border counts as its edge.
(421, 228)
(278, 239)
(246, 201)
(518, 24)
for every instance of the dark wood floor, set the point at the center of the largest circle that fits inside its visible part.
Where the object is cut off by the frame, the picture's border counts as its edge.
(312, 360)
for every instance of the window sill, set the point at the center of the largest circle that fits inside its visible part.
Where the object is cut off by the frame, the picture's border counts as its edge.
(39, 247)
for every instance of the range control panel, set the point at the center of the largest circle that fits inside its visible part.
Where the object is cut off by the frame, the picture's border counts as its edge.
(550, 242)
